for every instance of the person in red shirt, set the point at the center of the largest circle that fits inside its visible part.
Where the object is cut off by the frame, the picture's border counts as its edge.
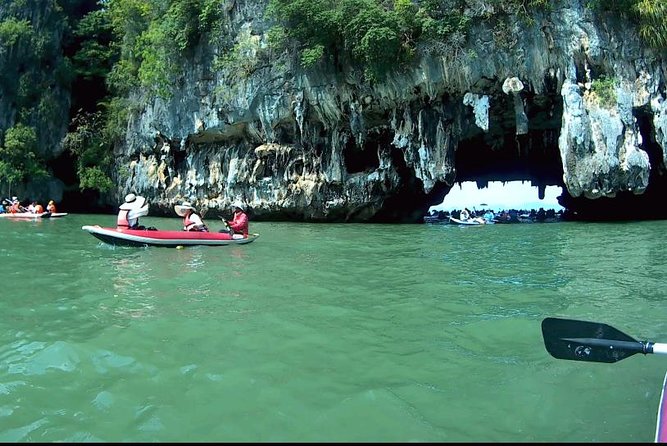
(240, 222)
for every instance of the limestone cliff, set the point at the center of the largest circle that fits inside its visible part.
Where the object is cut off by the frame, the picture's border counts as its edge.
(323, 145)
(33, 82)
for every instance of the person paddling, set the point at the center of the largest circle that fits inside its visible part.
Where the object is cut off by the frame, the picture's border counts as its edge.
(240, 222)
(191, 220)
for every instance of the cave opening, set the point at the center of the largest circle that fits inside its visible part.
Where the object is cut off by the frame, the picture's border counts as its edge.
(364, 157)
(533, 158)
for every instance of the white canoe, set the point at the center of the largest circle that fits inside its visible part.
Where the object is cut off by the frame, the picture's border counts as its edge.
(31, 216)
(466, 222)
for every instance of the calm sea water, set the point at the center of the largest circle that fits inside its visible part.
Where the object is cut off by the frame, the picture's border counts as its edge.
(324, 332)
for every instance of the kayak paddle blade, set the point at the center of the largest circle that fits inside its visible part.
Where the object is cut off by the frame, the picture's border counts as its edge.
(589, 341)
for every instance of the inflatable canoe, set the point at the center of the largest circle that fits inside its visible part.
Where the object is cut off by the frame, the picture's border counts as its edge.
(30, 215)
(661, 422)
(148, 237)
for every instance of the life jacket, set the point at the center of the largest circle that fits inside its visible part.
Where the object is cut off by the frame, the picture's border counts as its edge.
(187, 224)
(39, 209)
(122, 221)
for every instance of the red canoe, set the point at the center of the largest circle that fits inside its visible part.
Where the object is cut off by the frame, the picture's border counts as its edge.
(148, 237)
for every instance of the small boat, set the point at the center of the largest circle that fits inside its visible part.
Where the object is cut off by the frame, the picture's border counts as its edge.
(469, 222)
(173, 239)
(30, 215)
(661, 422)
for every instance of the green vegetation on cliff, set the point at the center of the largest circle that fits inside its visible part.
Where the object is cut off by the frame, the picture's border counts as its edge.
(154, 36)
(377, 36)
(18, 156)
(34, 83)
(650, 17)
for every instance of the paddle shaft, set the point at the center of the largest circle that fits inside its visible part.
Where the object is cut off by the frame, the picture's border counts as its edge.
(644, 347)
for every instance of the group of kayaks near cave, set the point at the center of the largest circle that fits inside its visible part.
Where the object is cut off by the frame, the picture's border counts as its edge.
(488, 216)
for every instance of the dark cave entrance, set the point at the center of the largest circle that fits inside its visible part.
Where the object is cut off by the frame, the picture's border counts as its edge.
(534, 157)
(502, 156)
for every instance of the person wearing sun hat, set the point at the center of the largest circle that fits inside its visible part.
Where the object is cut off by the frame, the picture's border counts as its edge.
(130, 211)
(191, 220)
(239, 224)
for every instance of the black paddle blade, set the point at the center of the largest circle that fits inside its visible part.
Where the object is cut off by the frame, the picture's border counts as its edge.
(589, 341)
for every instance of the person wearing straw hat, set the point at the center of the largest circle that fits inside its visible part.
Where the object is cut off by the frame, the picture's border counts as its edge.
(130, 211)
(191, 220)
(240, 222)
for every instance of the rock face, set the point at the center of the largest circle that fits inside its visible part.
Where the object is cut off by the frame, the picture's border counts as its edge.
(323, 145)
(32, 70)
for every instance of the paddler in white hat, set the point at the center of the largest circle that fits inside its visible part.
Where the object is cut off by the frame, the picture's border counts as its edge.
(130, 211)
(191, 220)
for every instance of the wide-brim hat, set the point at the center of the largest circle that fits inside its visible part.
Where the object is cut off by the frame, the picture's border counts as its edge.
(182, 208)
(133, 202)
(239, 205)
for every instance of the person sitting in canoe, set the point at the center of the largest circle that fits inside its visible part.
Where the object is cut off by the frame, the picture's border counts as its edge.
(39, 209)
(51, 207)
(240, 222)
(16, 207)
(191, 220)
(130, 211)
(467, 215)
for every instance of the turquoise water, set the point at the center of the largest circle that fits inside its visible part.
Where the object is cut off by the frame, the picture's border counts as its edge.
(324, 332)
